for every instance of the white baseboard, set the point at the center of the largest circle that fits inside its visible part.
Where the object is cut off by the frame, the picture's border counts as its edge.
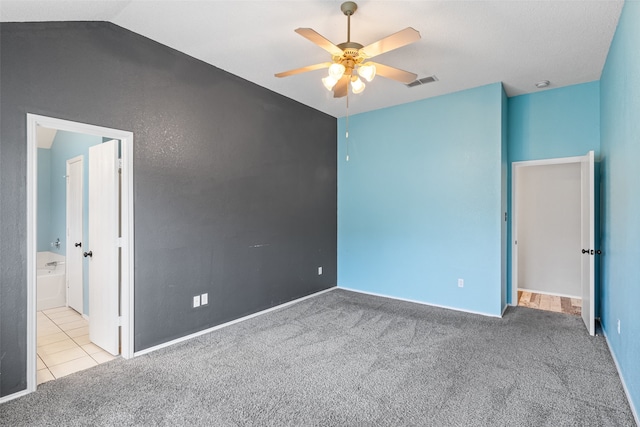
(224, 325)
(624, 385)
(555, 294)
(14, 396)
(420, 302)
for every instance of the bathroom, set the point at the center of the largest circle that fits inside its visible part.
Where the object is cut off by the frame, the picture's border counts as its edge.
(55, 149)
(62, 285)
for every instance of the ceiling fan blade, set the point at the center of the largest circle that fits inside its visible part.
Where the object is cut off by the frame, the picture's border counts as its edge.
(394, 41)
(340, 89)
(304, 69)
(394, 73)
(316, 38)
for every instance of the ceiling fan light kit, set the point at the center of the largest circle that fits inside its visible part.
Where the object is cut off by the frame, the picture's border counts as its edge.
(357, 85)
(329, 82)
(336, 70)
(367, 71)
(348, 58)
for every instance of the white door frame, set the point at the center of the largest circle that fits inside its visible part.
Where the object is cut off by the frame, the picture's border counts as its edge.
(515, 168)
(127, 262)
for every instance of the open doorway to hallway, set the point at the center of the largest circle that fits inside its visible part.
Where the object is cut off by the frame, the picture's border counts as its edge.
(554, 235)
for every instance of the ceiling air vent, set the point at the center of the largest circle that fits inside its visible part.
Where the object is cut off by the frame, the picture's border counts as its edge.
(422, 81)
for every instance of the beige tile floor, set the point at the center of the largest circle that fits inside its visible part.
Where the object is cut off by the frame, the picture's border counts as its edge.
(63, 344)
(550, 303)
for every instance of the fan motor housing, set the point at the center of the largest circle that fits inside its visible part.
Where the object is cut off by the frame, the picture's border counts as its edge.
(351, 52)
(350, 46)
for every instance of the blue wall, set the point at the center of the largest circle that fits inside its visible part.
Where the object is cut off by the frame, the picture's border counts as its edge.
(44, 202)
(52, 194)
(620, 118)
(419, 201)
(563, 122)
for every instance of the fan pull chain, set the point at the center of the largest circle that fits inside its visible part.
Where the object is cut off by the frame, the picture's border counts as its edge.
(347, 126)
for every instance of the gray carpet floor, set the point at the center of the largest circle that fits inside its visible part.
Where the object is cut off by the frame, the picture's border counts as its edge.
(346, 359)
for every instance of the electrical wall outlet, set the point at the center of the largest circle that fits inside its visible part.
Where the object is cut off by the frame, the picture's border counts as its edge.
(204, 299)
(618, 326)
(461, 283)
(319, 271)
(196, 301)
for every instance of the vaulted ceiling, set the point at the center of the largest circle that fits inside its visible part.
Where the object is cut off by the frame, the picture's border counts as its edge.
(464, 43)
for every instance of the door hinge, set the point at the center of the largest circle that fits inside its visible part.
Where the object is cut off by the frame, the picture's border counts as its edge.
(119, 320)
(119, 242)
(119, 163)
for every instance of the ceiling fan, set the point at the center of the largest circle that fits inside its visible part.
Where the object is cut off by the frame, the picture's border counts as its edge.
(350, 59)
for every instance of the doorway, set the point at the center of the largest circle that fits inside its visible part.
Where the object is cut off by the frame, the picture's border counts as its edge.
(553, 223)
(53, 318)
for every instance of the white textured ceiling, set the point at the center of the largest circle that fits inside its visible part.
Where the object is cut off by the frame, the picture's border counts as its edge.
(464, 43)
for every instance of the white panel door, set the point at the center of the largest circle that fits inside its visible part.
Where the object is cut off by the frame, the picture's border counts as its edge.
(103, 246)
(75, 171)
(588, 243)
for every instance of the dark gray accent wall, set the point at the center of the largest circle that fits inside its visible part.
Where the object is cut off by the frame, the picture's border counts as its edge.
(234, 185)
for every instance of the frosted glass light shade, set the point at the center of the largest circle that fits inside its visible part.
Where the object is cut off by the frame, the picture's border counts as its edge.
(357, 85)
(329, 82)
(367, 71)
(336, 71)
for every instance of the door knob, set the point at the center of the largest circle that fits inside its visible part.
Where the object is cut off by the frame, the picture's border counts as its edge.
(88, 254)
(78, 245)
(591, 251)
